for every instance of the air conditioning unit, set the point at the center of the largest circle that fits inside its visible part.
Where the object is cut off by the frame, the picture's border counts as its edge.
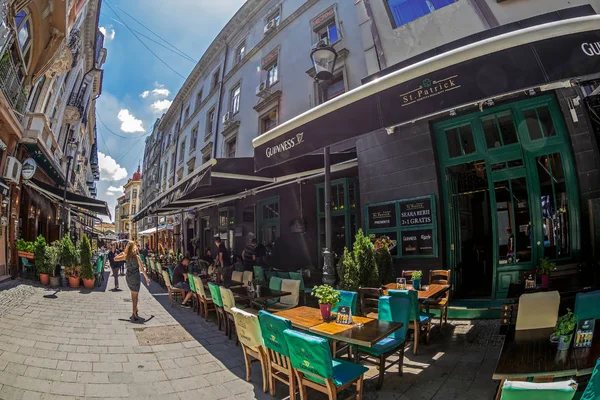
(270, 26)
(12, 172)
(227, 118)
(263, 89)
(321, 43)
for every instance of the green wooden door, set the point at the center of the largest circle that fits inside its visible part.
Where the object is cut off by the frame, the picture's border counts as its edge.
(514, 162)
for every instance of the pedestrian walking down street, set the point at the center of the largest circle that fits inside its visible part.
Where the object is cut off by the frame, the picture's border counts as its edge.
(115, 266)
(122, 263)
(134, 266)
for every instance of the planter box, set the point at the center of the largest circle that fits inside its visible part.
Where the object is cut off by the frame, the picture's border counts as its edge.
(25, 254)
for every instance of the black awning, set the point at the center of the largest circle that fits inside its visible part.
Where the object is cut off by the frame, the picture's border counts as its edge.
(230, 176)
(45, 161)
(507, 63)
(86, 203)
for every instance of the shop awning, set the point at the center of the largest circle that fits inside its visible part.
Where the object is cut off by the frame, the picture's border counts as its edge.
(228, 176)
(506, 63)
(150, 231)
(46, 161)
(55, 193)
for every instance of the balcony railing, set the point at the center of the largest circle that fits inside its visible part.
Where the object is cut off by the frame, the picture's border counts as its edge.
(11, 82)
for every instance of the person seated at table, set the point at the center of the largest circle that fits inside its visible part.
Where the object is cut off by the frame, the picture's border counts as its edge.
(180, 281)
(208, 257)
(239, 265)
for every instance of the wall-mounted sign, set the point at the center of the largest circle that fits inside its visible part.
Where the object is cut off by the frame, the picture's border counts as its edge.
(239, 231)
(248, 214)
(416, 212)
(382, 216)
(29, 167)
(298, 225)
(417, 243)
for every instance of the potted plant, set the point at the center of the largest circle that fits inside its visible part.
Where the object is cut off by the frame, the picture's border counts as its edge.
(87, 271)
(546, 267)
(24, 249)
(328, 297)
(41, 263)
(53, 258)
(416, 278)
(565, 325)
(69, 261)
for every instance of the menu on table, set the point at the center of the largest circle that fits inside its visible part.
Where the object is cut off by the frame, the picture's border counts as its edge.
(344, 315)
(584, 333)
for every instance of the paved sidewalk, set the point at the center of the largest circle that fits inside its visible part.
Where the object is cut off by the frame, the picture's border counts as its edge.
(80, 344)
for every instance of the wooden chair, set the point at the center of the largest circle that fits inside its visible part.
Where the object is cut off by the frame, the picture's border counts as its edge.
(407, 275)
(298, 276)
(314, 367)
(228, 305)
(192, 284)
(441, 277)
(538, 310)
(237, 276)
(173, 292)
(215, 293)
(419, 321)
(250, 336)
(369, 299)
(248, 276)
(289, 301)
(205, 302)
(280, 366)
(395, 309)
(161, 276)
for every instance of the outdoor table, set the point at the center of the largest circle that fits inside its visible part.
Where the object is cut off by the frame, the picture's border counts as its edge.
(228, 285)
(259, 297)
(529, 353)
(427, 294)
(588, 356)
(367, 335)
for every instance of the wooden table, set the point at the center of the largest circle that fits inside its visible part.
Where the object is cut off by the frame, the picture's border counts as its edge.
(529, 353)
(371, 332)
(427, 294)
(260, 297)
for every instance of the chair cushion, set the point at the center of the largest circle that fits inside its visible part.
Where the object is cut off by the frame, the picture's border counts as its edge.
(383, 346)
(592, 390)
(424, 317)
(538, 391)
(586, 305)
(248, 328)
(538, 310)
(344, 371)
(272, 328)
(292, 286)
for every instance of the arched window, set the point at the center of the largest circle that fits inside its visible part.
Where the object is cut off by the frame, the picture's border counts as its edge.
(23, 27)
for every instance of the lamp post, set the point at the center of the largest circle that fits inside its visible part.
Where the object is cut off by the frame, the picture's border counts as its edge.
(323, 57)
(71, 150)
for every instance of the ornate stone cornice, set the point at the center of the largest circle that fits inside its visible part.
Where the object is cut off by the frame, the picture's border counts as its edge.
(268, 101)
(63, 63)
(72, 114)
(232, 126)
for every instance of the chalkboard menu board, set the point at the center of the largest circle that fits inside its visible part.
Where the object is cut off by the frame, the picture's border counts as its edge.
(418, 242)
(382, 216)
(416, 212)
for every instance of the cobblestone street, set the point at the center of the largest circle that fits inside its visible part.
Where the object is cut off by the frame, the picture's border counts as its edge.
(80, 344)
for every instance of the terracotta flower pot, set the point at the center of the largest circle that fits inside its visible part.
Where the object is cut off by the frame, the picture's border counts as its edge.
(89, 283)
(325, 311)
(54, 281)
(45, 279)
(73, 282)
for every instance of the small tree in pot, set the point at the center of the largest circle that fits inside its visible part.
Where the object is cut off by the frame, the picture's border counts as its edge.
(565, 326)
(364, 256)
(87, 271)
(69, 261)
(546, 267)
(416, 278)
(53, 258)
(41, 263)
(328, 297)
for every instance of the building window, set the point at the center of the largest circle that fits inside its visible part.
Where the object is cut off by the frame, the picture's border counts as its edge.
(269, 121)
(132, 210)
(198, 99)
(272, 74)
(23, 27)
(205, 157)
(405, 11)
(329, 31)
(274, 18)
(194, 139)
(182, 152)
(191, 164)
(187, 113)
(335, 88)
(215, 79)
(210, 122)
(235, 99)
(240, 52)
(177, 126)
(230, 148)
(172, 161)
(134, 193)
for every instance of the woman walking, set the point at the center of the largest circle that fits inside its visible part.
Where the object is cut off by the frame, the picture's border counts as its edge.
(133, 266)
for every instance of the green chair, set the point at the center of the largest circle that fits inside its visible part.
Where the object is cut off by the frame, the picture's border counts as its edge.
(269, 274)
(228, 303)
(519, 390)
(28, 267)
(192, 284)
(314, 367)
(215, 294)
(280, 367)
(347, 299)
(274, 284)
(586, 305)
(99, 272)
(395, 309)
(297, 276)
(259, 273)
(205, 303)
(592, 391)
(283, 274)
(418, 320)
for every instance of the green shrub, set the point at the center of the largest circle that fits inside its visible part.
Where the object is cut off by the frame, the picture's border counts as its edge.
(53, 257)
(364, 256)
(565, 325)
(39, 255)
(385, 264)
(326, 295)
(417, 275)
(348, 272)
(68, 254)
(85, 251)
(23, 245)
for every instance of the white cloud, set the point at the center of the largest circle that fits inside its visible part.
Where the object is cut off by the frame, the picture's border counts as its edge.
(109, 169)
(158, 91)
(160, 106)
(145, 94)
(114, 189)
(109, 193)
(129, 123)
(109, 33)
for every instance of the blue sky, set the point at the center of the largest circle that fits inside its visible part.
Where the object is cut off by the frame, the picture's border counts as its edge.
(137, 87)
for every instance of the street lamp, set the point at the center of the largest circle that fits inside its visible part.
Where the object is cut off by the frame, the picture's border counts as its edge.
(323, 57)
(71, 151)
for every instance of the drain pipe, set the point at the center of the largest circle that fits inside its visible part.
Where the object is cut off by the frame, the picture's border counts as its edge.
(219, 106)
